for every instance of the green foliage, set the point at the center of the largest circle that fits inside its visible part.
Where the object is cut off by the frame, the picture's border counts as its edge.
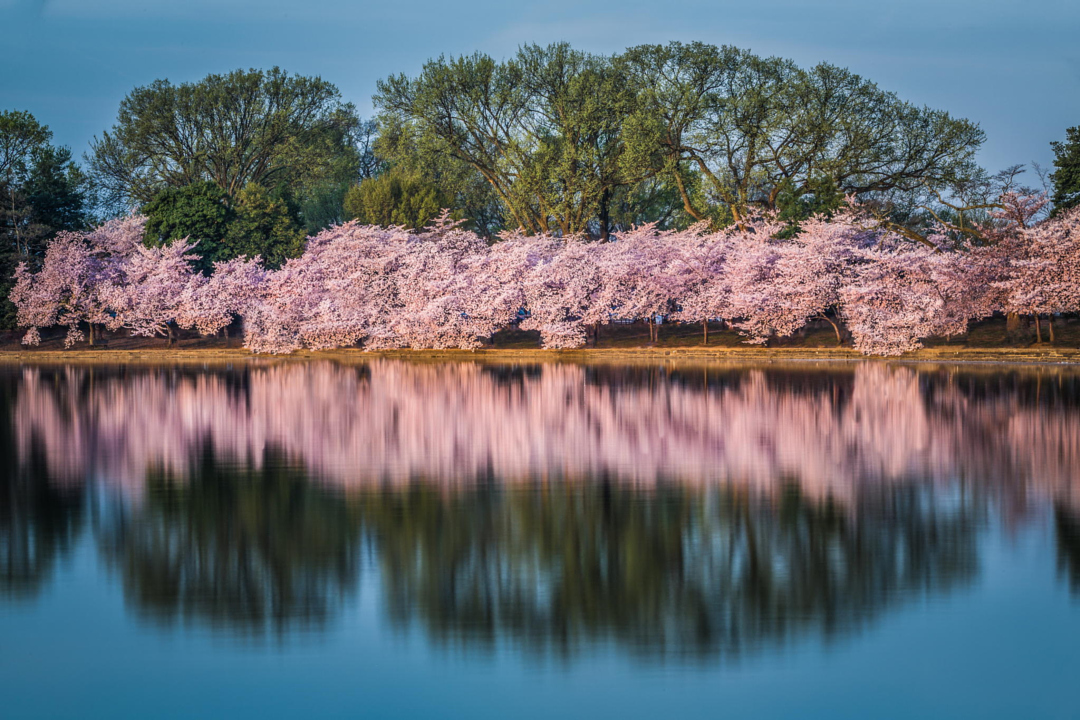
(261, 225)
(254, 223)
(21, 136)
(261, 127)
(542, 129)
(395, 198)
(41, 193)
(401, 147)
(820, 195)
(576, 143)
(199, 211)
(56, 190)
(322, 206)
(1066, 177)
(756, 128)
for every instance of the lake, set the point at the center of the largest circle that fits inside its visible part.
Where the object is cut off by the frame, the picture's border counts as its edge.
(419, 539)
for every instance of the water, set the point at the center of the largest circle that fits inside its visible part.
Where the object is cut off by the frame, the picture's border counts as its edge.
(391, 539)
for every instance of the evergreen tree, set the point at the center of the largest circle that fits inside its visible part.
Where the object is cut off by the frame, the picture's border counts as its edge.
(1066, 178)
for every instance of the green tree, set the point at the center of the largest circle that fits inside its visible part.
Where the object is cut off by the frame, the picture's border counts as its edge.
(252, 126)
(255, 222)
(543, 129)
(41, 193)
(402, 148)
(759, 129)
(199, 211)
(395, 198)
(22, 139)
(1066, 176)
(56, 191)
(261, 225)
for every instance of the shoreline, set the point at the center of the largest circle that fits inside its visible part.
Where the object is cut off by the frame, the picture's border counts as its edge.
(630, 356)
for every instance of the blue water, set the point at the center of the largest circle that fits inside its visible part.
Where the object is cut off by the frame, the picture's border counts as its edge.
(213, 576)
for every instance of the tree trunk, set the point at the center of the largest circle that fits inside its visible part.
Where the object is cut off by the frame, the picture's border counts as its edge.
(596, 334)
(687, 206)
(836, 329)
(1050, 326)
(169, 331)
(91, 333)
(706, 324)
(1012, 322)
(1038, 329)
(15, 224)
(605, 214)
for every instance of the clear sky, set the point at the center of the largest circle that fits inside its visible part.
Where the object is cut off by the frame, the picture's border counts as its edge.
(1013, 67)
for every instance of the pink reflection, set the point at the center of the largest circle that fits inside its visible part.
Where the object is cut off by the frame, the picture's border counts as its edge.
(452, 423)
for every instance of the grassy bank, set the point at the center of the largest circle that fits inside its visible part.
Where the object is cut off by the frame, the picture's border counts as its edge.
(987, 341)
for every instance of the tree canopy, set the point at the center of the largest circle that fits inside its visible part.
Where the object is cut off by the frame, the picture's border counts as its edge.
(254, 126)
(41, 193)
(255, 222)
(1066, 176)
(565, 138)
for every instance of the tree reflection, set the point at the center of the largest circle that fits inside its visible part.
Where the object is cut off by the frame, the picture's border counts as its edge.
(251, 550)
(1067, 527)
(673, 511)
(39, 520)
(667, 571)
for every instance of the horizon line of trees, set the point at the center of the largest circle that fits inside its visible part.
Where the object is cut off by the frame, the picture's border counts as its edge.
(551, 141)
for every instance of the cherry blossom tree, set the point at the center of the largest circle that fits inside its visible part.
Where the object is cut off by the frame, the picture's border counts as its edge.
(638, 283)
(232, 290)
(445, 287)
(561, 283)
(1043, 275)
(67, 290)
(699, 274)
(155, 286)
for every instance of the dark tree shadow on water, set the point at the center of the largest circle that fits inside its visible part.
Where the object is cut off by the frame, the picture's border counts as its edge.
(250, 551)
(1067, 527)
(674, 572)
(39, 521)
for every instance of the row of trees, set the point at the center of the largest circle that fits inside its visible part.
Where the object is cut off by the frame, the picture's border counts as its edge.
(446, 287)
(571, 142)
(552, 141)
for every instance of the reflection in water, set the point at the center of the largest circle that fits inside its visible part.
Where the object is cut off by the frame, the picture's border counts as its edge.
(1067, 528)
(676, 571)
(706, 512)
(392, 421)
(251, 550)
(39, 520)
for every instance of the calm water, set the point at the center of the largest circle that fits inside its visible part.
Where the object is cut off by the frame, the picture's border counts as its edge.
(394, 539)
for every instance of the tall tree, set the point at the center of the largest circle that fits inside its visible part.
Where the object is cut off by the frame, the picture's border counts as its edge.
(22, 137)
(41, 193)
(542, 128)
(402, 149)
(1066, 176)
(244, 127)
(761, 130)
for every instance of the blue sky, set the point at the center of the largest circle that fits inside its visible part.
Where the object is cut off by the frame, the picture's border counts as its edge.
(1013, 67)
